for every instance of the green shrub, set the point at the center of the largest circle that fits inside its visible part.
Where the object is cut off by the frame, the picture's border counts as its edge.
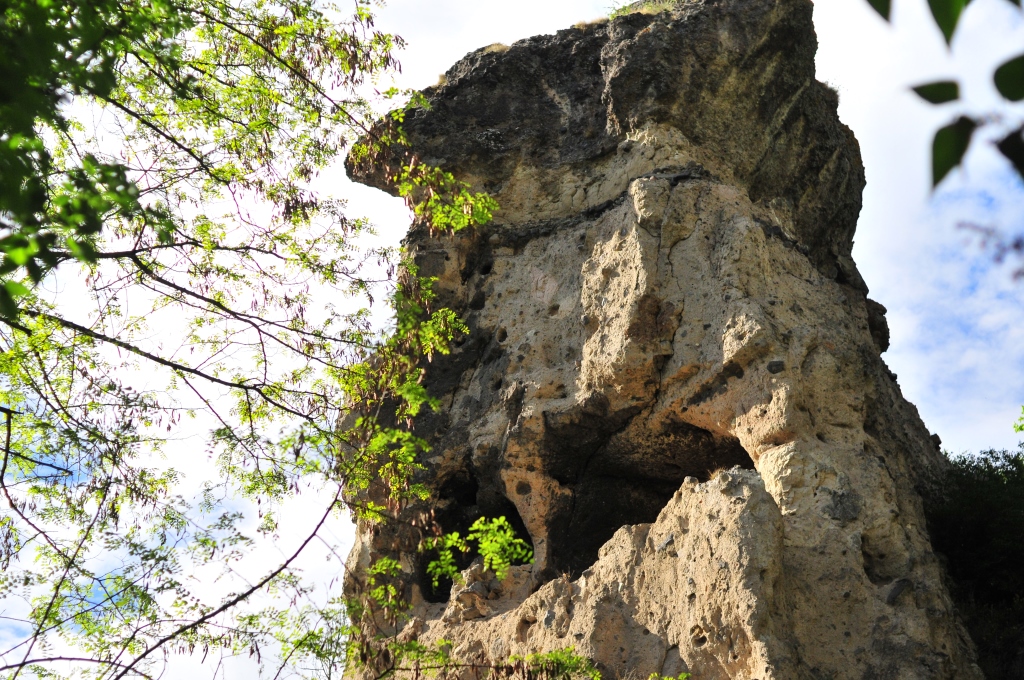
(977, 525)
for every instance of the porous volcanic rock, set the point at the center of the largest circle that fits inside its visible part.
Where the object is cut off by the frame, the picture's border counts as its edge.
(667, 292)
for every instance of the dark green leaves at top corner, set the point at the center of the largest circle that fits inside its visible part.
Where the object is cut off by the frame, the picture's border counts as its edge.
(949, 146)
(10, 291)
(939, 92)
(947, 15)
(883, 7)
(1012, 146)
(1009, 79)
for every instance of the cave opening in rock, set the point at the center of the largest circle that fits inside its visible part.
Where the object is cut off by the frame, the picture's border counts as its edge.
(628, 479)
(464, 501)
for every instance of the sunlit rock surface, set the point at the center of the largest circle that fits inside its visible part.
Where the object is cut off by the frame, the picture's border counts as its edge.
(668, 292)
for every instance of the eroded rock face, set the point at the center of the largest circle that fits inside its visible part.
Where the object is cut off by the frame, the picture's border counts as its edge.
(652, 601)
(668, 291)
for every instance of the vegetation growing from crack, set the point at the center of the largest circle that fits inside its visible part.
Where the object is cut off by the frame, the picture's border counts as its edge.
(496, 542)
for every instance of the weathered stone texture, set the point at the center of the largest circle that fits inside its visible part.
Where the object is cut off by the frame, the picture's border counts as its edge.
(668, 291)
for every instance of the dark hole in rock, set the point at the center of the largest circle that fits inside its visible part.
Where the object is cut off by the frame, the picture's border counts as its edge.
(523, 630)
(461, 487)
(464, 501)
(880, 567)
(621, 473)
(486, 268)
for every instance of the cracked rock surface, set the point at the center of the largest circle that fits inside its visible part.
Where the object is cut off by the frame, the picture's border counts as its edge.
(666, 293)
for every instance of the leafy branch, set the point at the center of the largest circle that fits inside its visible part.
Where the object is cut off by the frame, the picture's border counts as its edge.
(952, 141)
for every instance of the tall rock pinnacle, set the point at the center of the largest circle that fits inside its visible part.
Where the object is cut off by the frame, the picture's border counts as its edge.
(673, 381)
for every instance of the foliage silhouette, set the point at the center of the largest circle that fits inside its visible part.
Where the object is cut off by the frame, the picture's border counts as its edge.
(976, 522)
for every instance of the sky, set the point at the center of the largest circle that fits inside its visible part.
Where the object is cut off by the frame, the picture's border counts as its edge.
(955, 316)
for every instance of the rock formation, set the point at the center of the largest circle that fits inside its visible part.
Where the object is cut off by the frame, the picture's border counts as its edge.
(667, 292)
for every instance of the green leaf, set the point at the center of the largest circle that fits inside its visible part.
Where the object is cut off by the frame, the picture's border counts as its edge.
(20, 256)
(85, 251)
(1009, 79)
(15, 288)
(1012, 146)
(35, 272)
(949, 147)
(498, 545)
(8, 307)
(939, 92)
(947, 14)
(883, 7)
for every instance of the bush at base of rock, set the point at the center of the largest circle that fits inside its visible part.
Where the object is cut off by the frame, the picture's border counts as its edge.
(977, 524)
